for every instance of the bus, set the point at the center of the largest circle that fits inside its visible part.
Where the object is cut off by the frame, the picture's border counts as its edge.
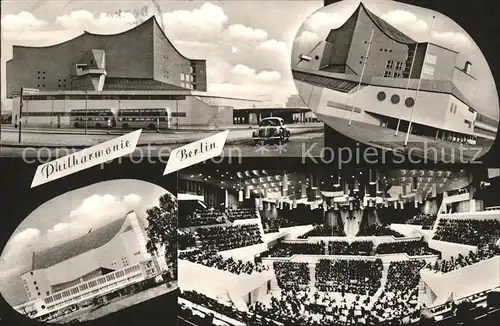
(92, 118)
(144, 118)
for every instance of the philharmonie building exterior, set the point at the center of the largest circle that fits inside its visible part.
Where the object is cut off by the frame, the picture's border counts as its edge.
(369, 72)
(99, 263)
(136, 69)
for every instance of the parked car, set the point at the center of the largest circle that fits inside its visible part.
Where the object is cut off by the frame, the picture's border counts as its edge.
(272, 130)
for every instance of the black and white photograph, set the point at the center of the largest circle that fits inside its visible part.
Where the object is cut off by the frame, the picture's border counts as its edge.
(92, 251)
(78, 73)
(298, 246)
(397, 77)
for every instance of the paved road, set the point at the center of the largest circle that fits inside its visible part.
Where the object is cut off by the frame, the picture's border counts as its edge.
(311, 143)
(298, 146)
(424, 149)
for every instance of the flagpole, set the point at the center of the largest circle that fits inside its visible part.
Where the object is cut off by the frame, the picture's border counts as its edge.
(408, 84)
(361, 76)
(418, 87)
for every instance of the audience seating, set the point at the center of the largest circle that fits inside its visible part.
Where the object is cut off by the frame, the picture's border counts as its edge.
(378, 230)
(240, 213)
(291, 275)
(468, 231)
(201, 217)
(427, 221)
(185, 240)
(219, 238)
(454, 263)
(290, 249)
(400, 296)
(349, 276)
(214, 260)
(411, 248)
(324, 231)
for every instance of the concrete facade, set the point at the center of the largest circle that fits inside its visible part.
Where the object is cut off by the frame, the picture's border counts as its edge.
(142, 52)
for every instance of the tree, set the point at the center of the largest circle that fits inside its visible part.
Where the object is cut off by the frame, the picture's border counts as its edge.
(162, 229)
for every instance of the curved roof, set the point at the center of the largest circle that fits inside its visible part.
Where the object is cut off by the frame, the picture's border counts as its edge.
(386, 28)
(150, 20)
(92, 240)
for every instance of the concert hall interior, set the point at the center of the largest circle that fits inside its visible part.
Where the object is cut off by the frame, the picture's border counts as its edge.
(327, 247)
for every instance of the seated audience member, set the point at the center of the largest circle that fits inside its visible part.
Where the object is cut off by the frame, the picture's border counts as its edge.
(240, 214)
(426, 220)
(324, 231)
(212, 259)
(378, 230)
(290, 249)
(349, 276)
(453, 263)
(220, 238)
(412, 248)
(468, 231)
(202, 217)
(292, 275)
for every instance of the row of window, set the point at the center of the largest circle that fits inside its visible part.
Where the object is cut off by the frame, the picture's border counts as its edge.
(104, 97)
(92, 284)
(94, 292)
(484, 132)
(391, 64)
(186, 77)
(395, 99)
(187, 85)
(486, 120)
(395, 74)
(82, 115)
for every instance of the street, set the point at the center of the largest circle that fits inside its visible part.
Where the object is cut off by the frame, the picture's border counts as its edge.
(154, 145)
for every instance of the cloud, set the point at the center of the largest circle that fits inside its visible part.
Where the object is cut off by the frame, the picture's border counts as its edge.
(240, 33)
(307, 38)
(204, 23)
(268, 76)
(94, 212)
(247, 82)
(405, 20)
(102, 23)
(242, 70)
(40, 38)
(452, 39)
(132, 201)
(22, 22)
(21, 242)
(274, 46)
(321, 21)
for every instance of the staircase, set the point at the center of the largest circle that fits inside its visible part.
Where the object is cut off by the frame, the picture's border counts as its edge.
(312, 275)
(275, 289)
(422, 292)
(383, 281)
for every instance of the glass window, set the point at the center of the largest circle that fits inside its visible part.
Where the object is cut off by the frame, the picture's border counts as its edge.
(387, 73)
(389, 64)
(182, 76)
(431, 59)
(428, 70)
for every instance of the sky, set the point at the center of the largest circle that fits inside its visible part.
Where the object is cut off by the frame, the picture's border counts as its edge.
(67, 217)
(417, 23)
(247, 55)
